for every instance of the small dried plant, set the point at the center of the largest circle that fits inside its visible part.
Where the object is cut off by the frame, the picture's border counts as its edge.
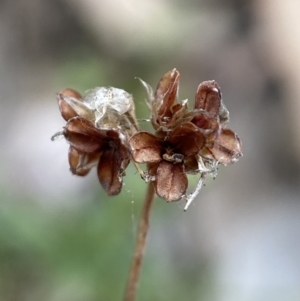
(102, 131)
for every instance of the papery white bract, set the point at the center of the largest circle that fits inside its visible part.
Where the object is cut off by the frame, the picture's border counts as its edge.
(102, 99)
(106, 107)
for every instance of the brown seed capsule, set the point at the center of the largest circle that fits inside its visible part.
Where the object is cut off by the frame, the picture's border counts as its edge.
(112, 163)
(66, 110)
(208, 98)
(166, 95)
(163, 102)
(75, 157)
(166, 112)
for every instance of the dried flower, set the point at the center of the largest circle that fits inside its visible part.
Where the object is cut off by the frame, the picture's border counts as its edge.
(202, 129)
(102, 131)
(97, 129)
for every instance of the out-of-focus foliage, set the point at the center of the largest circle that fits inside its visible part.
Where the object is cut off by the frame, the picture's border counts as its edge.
(82, 253)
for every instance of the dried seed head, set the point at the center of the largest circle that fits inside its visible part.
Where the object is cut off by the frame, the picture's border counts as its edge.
(193, 142)
(98, 127)
(102, 130)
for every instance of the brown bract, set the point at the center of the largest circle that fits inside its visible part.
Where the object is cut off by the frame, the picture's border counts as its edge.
(81, 162)
(225, 147)
(210, 111)
(168, 158)
(166, 112)
(221, 145)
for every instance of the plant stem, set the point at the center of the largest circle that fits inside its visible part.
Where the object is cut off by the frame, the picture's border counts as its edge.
(139, 250)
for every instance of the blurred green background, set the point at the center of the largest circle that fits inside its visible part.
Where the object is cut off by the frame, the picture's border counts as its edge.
(62, 238)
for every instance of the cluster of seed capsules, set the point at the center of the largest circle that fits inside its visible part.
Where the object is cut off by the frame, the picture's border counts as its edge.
(102, 131)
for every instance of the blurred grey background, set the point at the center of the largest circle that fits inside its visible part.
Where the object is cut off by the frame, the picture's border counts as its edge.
(61, 238)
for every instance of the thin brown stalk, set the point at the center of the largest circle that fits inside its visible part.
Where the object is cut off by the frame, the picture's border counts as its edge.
(140, 245)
